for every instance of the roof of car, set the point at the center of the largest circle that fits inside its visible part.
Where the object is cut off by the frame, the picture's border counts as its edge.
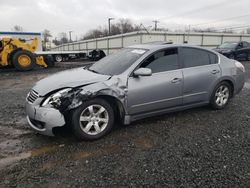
(235, 41)
(156, 46)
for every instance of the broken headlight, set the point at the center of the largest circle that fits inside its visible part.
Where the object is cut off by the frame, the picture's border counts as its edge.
(55, 99)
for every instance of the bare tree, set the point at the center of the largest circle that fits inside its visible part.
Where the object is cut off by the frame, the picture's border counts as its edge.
(122, 26)
(227, 31)
(125, 25)
(56, 42)
(115, 29)
(95, 33)
(17, 28)
(63, 38)
(248, 30)
(46, 34)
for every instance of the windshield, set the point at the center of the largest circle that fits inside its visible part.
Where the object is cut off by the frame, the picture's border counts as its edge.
(117, 62)
(228, 45)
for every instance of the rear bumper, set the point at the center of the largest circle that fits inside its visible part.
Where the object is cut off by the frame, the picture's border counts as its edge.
(43, 120)
(240, 81)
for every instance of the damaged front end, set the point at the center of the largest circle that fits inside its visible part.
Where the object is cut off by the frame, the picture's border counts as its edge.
(63, 100)
(46, 113)
(71, 98)
(53, 109)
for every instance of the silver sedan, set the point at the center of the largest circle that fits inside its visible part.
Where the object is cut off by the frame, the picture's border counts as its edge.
(133, 83)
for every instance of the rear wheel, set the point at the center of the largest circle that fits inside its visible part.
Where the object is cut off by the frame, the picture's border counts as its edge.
(23, 60)
(92, 120)
(58, 58)
(49, 61)
(221, 95)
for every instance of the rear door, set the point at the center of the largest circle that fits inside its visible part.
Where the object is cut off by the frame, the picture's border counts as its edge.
(200, 72)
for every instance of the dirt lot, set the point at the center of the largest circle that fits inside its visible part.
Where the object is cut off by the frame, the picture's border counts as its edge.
(193, 148)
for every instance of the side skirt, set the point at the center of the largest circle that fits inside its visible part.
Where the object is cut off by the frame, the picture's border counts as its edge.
(131, 118)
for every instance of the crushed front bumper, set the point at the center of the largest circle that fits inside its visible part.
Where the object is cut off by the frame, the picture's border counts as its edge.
(42, 119)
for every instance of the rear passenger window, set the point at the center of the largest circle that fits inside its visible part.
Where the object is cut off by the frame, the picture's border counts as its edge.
(192, 57)
(161, 61)
(213, 58)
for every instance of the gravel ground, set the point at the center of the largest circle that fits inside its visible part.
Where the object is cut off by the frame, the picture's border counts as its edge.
(192, 148)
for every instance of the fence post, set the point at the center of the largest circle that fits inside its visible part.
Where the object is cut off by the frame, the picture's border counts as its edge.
(87, 47)
(107, 46)
(202, 39)
(122, 41)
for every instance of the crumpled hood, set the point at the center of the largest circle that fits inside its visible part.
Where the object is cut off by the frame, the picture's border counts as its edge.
(69, 78)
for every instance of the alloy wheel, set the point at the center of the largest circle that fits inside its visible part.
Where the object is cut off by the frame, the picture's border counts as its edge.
(94, 119)
(222, 95)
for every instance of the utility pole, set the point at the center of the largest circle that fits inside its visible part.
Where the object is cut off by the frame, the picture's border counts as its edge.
(70, 36)
(109, 23)
(156, 22)
(189, 30)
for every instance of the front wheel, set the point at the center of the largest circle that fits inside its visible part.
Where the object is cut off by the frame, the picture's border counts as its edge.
(92, 120)
(221, 95)
(24, 60)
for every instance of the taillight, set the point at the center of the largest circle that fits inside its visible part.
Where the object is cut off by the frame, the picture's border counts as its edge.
(239, 65)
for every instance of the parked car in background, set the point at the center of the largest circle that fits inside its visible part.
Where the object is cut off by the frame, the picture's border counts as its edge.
(134, 83)
(235, 50)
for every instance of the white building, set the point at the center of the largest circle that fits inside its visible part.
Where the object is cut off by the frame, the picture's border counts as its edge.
(24, 35)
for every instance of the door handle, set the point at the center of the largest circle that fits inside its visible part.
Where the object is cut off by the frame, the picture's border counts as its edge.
(215, 71)
(175, 80)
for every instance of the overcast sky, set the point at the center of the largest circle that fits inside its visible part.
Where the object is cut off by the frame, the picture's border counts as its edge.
(83, 15)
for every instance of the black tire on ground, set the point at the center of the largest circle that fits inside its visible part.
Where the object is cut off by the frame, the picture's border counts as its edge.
(58, 58)
(28, 63)
(102, 54)
(76, 124)
(49, 60)
(214, 96)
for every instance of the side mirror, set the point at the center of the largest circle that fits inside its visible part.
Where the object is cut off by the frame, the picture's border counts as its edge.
(143, 72)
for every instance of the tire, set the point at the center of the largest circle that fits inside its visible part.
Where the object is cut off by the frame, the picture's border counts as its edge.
(24, 60)
(49, 61)
(85, 123)
(58, 58)
(221, 95)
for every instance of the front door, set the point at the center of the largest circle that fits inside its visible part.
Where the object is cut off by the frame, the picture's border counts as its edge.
(163, 89)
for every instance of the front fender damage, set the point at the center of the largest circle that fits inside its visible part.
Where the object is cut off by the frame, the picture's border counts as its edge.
(114, 87)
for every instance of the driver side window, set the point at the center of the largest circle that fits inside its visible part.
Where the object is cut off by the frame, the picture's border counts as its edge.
(162, 61)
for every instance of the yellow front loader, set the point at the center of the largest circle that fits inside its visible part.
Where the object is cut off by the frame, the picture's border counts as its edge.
(20, 54)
